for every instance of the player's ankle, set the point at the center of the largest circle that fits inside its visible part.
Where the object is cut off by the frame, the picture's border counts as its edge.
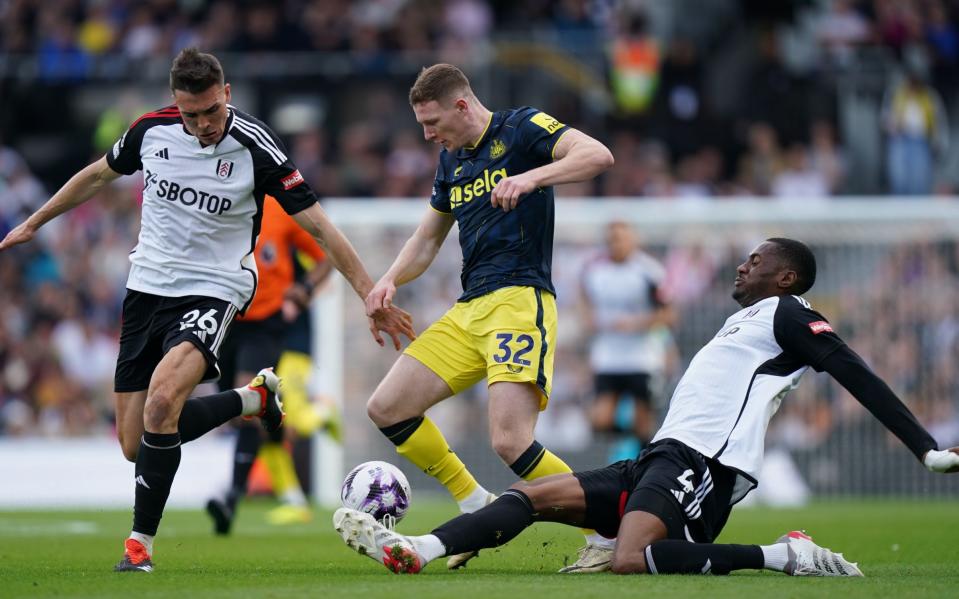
(143, 539)
(428, 547)
(476, 500)
(597, 540)
(251, 400)
(775, 556)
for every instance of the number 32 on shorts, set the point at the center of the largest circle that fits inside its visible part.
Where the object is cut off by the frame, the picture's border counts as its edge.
(513, 350)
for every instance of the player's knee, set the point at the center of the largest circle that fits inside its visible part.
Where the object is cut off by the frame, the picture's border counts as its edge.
(378, 411)
(508, 447)
(384, 410)
(631, 563)
(160, 412)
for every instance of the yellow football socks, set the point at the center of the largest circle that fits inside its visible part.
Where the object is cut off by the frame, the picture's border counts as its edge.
(537, 462)
(428, 450)
(279, 465)
(549, 464)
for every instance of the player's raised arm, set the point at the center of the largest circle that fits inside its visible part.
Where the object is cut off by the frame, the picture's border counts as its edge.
(576, 157)
(80, 188)
(417, 254)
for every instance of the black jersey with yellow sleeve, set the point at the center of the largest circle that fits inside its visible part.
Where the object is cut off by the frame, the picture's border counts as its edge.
(501, 249)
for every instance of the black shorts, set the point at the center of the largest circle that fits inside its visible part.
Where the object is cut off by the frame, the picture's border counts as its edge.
(688, 492)
(152, 325)
(250, 346)
(636, 384)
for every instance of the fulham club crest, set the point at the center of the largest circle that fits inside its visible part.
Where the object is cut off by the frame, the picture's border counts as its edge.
(224, 168)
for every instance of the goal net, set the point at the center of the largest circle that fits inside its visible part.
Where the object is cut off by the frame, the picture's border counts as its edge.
(887, 281)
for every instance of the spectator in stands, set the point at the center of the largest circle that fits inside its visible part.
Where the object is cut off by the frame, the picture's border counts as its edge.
(841, 29)
(916, 132)
(634, 66)
(942, 39)
(798, 179)
(678, 109)
(825, 156)
(898, 24)
(762, 162)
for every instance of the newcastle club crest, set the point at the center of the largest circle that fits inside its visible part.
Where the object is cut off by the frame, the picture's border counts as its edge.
(224, 168)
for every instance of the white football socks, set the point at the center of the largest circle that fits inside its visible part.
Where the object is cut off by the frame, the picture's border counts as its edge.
(474, 501)
(294, 496)
(775, 556)
(598, 540)
(429, 547)
(251, 400)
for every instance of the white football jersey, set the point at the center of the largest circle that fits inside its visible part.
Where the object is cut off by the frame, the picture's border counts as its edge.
(202, 206)
(617, 290)
(735, 383)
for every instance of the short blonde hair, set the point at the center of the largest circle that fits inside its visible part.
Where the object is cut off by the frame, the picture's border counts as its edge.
(439, 82)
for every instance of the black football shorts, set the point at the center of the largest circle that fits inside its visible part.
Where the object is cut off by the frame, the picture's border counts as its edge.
(690, 494)
(152, 325)
(250, 346)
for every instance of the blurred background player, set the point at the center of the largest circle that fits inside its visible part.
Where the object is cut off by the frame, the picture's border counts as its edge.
(495, 180)
(259, 337)
(306, 412)
(624, 309)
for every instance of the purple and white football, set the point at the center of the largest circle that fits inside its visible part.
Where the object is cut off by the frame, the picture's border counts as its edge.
(377, 488)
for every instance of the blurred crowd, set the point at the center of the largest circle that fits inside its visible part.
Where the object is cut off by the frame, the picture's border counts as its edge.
(747, 99)
(743, 101)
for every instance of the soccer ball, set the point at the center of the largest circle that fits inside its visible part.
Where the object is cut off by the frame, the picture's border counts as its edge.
(377, 488)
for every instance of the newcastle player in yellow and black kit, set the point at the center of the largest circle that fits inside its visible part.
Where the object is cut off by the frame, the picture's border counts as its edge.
(494, 179)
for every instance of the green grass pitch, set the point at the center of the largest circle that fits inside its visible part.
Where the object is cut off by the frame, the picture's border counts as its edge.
(905, 550)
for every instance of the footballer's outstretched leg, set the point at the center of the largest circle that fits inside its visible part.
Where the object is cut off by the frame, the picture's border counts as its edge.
(459, 560)
(362, 533)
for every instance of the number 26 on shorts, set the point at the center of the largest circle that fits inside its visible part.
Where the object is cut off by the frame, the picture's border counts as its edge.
(513, 353)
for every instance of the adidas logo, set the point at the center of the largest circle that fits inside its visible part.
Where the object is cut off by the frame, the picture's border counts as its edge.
(164, 154)
(140, 481)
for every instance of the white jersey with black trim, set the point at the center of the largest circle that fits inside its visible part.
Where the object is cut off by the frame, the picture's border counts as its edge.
(618, 290)
(735, 383)
(202, 205)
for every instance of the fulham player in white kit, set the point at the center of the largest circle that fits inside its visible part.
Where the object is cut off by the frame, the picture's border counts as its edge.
(667, 506)
(206, 169)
